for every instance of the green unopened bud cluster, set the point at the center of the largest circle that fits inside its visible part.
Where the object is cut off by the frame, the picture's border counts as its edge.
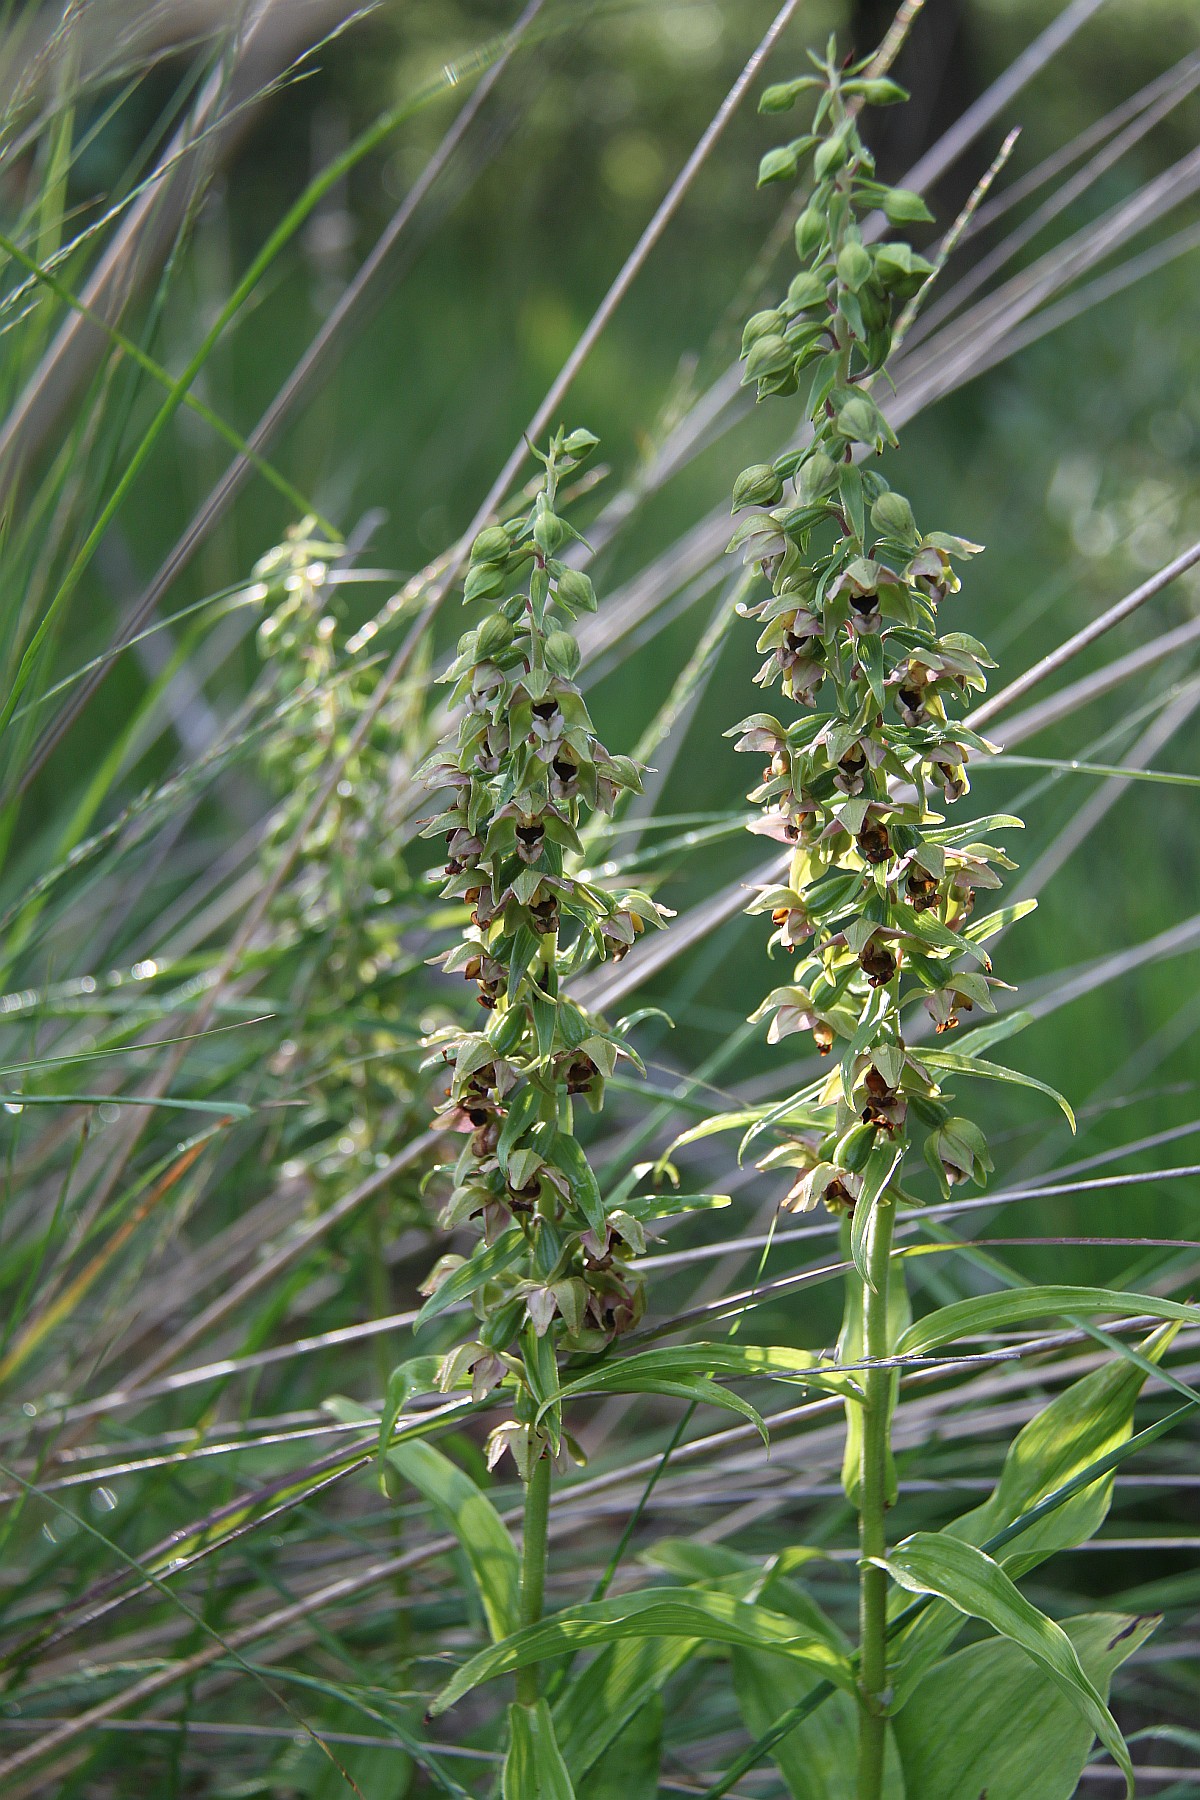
(337, 921)
(524, 771)
(879, 895)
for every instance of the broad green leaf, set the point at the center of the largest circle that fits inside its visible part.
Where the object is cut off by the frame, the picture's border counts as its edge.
(487, 1261)
(933, 1563)
(693, 1388)
(957, 1063)
(672, 1362)
(987, 1720)
(879, 1169)
(669, 1206)
(816, 1758)
(1087, 1421)
(653, 1613)
(629, 1770)
(418, 1375)
(599, 1702)
(1090, 1418)
(490, 1552)
(988, 1312)
(698, 1562)
(534, 1768)
(701, 1562)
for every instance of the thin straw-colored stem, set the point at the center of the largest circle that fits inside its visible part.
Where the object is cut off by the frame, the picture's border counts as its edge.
(1067, 651)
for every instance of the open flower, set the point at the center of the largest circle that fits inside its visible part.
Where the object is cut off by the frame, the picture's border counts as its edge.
(879, 960)
(962, 993)
(837, 1188)
(957, 1151)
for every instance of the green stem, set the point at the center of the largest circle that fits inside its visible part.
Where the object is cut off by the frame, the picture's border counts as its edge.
(533, 1567)
(873, 1502)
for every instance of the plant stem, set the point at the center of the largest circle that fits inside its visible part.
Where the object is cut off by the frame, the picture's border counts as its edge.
(873, 1502)
(533, 1567)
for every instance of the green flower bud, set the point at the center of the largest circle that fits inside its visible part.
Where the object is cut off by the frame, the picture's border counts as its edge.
(485, 581)
(769, 355)
(782, 96)
(879, 346)
(893, 517)
(562, 653)
(902, 207)
(491, 546)
(829, 158)
(879, 91)
(758, 325)
(900, 270)
(861, 420)
(873, 306)
(810, 232)
(854, 266)
(817, 475)
(575, 591)
(506, 1031)
(548, 532)
(580, 443)
(758, 485)
(807, 290)
(494, 635)
(854, 1147)
(778, 165)
(497, 1331)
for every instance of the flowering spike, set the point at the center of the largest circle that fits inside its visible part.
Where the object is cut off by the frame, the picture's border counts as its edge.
(878, 895)
(524, 771)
